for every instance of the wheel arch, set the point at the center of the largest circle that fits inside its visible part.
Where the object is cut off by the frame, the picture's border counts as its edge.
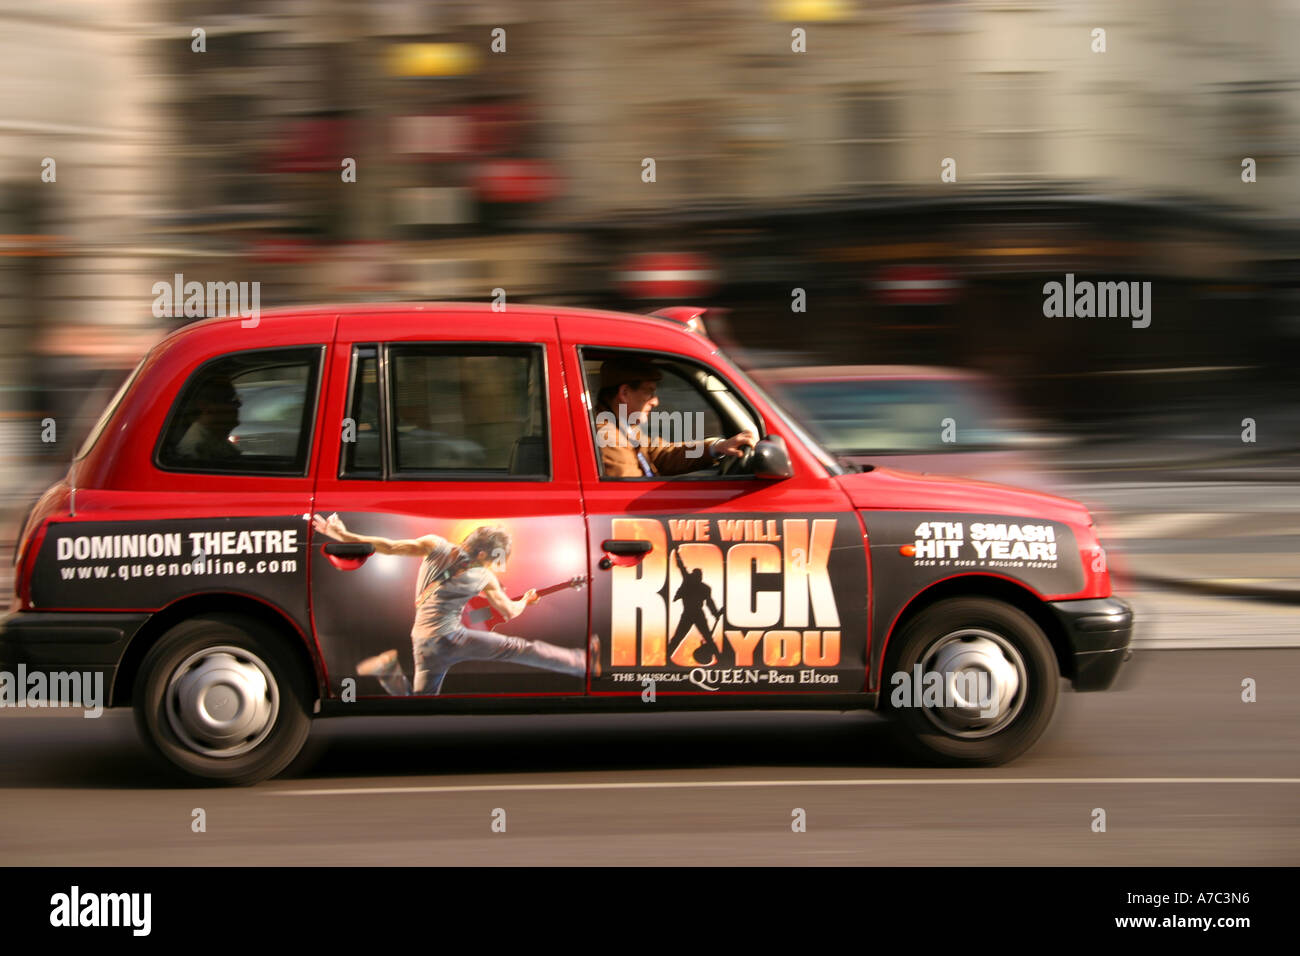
(195, 605)
(986, 586)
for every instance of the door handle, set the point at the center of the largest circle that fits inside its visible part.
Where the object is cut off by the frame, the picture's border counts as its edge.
(624, 549)
(349, 549)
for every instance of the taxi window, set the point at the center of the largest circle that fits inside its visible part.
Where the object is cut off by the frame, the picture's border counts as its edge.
(693, 403)
(675, 394)
(245, 413)
(467, 411)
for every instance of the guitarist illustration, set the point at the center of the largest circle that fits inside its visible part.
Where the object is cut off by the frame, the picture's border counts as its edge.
(481, 615)
(450, 576)
(694, 594)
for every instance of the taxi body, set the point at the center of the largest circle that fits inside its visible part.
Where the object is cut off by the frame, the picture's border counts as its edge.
(229, 594)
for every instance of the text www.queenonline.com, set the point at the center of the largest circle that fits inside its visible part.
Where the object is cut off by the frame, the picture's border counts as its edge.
(1171, 921)
(164, 569)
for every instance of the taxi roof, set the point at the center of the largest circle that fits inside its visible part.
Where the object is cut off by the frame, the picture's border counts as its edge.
(284, 316)
(369, 308)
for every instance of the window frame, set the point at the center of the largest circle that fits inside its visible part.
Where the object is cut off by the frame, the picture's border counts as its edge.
(388, 452)
(311, 401)
(368, 474)
(589, 401)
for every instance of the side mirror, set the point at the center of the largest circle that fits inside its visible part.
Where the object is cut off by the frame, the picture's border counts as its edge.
(772, 459)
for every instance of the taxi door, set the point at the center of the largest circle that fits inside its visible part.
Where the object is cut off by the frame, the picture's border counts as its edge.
(448, 425)
(706, 584)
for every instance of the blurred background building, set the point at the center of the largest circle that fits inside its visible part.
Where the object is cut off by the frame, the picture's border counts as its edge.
(797, 144)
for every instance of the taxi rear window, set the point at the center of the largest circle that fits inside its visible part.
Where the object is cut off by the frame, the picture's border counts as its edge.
(245, 413)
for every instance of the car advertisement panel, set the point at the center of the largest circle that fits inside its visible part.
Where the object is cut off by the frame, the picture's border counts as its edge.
(742, 603)
(911, 550)
(416, 618)
(148, 564)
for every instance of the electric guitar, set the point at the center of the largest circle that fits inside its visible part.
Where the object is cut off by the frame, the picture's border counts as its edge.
(708, 653)
(482, 616)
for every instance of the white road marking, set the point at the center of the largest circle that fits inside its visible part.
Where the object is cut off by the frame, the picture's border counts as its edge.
(706, 784)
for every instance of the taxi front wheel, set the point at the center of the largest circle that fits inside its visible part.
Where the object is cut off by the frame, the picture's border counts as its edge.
(220, 697)
(971, 681)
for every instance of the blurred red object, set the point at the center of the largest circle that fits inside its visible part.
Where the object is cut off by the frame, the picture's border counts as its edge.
(313, 144)
(285, 249)
(458, 134)
(516, 180)
(496, 126)
(916, 285)
(668, 275)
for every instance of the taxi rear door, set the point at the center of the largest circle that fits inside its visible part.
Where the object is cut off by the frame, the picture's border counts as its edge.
(442, 423)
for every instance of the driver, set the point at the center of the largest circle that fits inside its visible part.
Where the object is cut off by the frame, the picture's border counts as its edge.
(628, 386)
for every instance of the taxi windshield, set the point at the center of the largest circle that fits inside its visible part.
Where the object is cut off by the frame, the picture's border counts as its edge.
(897, 416)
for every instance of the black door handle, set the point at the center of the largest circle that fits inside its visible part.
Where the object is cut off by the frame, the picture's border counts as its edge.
(349, 549)
(623, 549)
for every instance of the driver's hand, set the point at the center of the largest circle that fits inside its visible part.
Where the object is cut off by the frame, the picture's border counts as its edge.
(733, 445)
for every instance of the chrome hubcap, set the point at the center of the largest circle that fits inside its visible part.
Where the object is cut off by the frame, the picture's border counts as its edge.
(984, 682)
(222, 701)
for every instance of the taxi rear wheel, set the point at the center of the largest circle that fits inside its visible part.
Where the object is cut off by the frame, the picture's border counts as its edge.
(221, 698)
(988, 683)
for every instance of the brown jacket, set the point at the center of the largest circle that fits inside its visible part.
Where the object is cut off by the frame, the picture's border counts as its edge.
(618, 455)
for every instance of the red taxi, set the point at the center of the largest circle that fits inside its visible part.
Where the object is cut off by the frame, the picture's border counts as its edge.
(445, 508)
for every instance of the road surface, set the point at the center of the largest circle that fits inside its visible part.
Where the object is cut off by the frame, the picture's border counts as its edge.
(1185, 771)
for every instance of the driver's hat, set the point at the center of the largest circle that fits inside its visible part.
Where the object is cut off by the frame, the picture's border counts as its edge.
(627, 371)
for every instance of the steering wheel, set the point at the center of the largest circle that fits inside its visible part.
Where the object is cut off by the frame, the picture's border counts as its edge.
(738, 464)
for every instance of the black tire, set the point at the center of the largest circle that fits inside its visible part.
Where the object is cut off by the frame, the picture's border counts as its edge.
(279, 709)
(985, 624)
